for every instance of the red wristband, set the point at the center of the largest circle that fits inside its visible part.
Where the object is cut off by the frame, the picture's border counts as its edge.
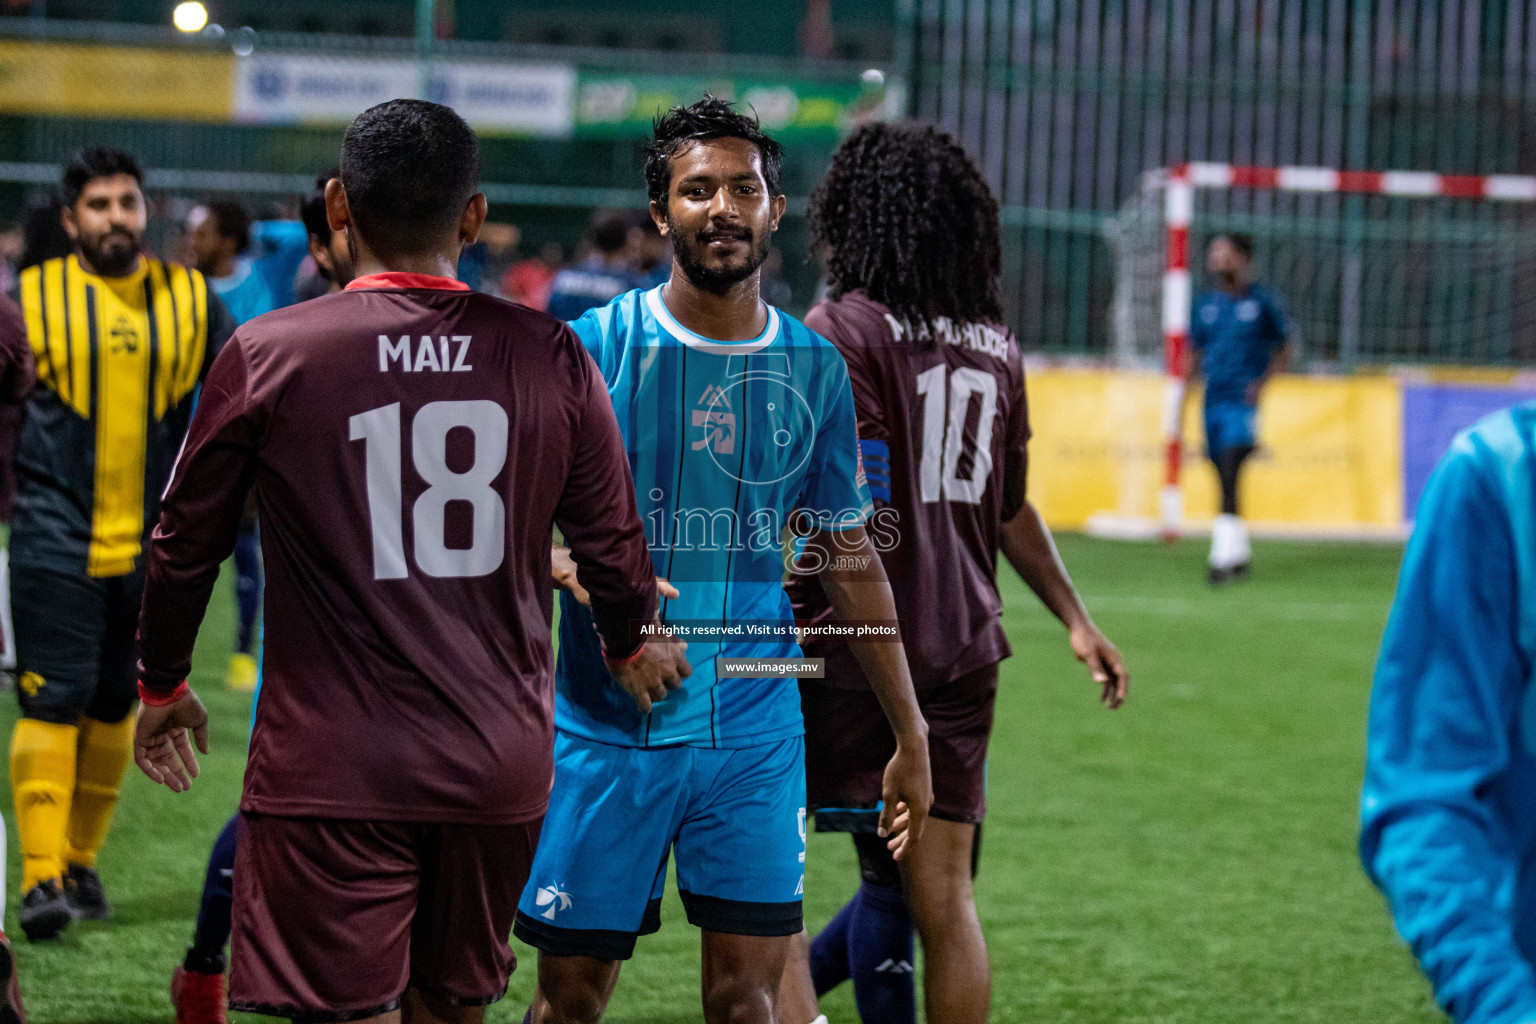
(160, 700)
(629, 659)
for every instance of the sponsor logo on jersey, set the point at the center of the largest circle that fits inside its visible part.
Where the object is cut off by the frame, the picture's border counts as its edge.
(553, 897)
(714, 414)
(124, 337)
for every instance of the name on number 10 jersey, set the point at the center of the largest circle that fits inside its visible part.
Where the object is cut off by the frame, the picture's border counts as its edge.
(943, 425)
(726, 442)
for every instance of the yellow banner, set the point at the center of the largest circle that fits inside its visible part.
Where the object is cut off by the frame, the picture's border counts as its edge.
(1329, 457)
(115, 81)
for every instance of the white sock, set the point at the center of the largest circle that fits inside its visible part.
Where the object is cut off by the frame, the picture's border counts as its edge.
(1241, 553)
(1221, 542)
(820, 1020)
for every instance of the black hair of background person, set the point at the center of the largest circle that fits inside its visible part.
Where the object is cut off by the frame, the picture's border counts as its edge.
(611, 234)
(710, 118)
(312, 206)
(905, 214)
(409, 168)
(42, 232)
(1241, 242)
(232, 221)
(90, 164)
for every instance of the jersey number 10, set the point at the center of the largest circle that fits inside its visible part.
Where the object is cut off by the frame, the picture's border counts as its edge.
(938, 474)
(379, 430)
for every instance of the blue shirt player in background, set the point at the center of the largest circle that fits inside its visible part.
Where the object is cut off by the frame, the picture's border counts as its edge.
(1239, 339)
(1448, 814)
(738, 419)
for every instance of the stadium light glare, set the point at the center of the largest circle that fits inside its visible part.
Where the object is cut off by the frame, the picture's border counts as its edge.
(190, 16)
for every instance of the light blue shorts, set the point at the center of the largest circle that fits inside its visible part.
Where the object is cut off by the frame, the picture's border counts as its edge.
(734, 818)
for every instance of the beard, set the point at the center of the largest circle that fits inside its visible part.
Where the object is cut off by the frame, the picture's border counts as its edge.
(692, 254)
(111, 254)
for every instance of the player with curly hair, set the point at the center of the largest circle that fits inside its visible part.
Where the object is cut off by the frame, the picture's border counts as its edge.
(913, 254)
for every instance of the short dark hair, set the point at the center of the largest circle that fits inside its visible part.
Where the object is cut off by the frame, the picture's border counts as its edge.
(1239, 241)
(231, 220)
(90, 164)
(312, 206)
(610, 234)
(409, 168)
(905, 214)
(709, 118)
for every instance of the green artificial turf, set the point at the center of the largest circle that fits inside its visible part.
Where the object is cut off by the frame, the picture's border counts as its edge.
(1187, 859)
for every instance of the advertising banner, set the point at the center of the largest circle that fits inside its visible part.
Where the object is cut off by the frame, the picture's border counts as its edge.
(611, 104)
(1330, 454)
(496, 98)
(78, 80)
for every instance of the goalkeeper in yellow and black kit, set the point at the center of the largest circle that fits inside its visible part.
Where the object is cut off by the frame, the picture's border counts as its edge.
(121, 342)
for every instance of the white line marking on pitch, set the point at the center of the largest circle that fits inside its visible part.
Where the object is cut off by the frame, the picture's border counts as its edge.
(1297, 610)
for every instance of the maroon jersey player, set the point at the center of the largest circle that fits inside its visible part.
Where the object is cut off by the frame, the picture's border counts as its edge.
(411, 444)
(912, 238)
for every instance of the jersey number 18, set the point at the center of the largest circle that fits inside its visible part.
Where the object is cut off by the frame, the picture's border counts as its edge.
(379, 430)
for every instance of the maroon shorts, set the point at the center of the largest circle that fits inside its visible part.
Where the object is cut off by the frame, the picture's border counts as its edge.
(848, 742)
(334, 920)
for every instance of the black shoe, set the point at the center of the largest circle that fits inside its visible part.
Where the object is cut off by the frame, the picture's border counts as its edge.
(1242, 572)
(1216, 577)
(83, 891)
(44, 911)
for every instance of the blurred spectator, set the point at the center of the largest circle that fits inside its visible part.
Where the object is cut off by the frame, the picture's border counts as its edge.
(596, 280)
(528, 281)
(328, 249)
(43, 234)
(652, 253)
(219, 236)
(774, 289)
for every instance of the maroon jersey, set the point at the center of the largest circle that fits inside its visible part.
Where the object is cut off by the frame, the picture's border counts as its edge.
(411, 445)
(18, 374)
(942, 430)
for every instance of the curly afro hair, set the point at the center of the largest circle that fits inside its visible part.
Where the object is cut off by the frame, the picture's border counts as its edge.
(905, 214)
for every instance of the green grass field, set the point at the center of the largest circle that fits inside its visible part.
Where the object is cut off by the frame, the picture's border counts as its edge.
(1188, 859)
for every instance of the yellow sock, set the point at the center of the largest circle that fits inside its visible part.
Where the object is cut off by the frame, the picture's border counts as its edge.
(42, 782)
(104, 752)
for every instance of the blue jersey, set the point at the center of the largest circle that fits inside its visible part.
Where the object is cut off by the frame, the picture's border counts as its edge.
(1449, 805)
(1236, 335)
(727, 441)
(245, 293)
(588, 285)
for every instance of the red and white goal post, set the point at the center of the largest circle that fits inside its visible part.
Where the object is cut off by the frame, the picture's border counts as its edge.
(1179, 185)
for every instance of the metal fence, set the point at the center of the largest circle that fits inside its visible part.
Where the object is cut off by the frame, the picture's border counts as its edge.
(1067, 102)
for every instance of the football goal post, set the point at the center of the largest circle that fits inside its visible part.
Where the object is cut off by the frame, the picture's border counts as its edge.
(1375, 269)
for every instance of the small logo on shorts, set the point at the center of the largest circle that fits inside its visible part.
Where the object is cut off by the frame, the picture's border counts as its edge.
(546, 897)
(895, 967)
(30, 683)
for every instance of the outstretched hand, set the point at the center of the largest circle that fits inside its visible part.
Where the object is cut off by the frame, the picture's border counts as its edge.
(163, 738)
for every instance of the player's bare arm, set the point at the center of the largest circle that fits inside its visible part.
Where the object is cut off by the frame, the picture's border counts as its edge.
(864, 594)
(562, 570)
(658, 667)
(1031, 550)
(1278, 363)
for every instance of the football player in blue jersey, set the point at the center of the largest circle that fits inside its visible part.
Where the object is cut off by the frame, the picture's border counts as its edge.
(1449, 809)
(740, 424)
(1238, 340)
